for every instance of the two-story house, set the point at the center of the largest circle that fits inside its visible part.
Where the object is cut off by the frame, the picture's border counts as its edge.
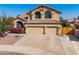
(42, 20)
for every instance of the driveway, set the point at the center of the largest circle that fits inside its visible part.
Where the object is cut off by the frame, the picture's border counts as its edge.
(40, 44)
(52, 43)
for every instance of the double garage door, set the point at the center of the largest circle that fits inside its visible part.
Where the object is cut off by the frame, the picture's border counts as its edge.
(42, 30)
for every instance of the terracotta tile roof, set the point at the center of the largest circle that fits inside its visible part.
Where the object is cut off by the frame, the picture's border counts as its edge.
(43, 6)
(43, 22)
(22, 17)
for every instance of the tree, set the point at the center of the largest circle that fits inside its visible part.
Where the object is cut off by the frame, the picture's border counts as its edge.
(78, 17)
(61, 18)
(64, 23)
(5, 23)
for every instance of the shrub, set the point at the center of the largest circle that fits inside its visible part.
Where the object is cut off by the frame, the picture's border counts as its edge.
(17, 30)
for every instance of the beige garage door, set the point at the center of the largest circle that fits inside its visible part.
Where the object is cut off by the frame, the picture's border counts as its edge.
(34, 30)
(51, 31)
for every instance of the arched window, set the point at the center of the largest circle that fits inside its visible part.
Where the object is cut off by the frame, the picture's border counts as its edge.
(37, 15)
(47, 14)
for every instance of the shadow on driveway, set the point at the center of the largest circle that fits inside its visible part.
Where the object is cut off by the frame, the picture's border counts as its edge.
(73, 38)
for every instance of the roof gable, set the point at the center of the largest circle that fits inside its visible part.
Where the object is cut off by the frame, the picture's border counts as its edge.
(43, 6)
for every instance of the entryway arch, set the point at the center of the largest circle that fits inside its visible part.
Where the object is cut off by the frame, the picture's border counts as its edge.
(20, 25)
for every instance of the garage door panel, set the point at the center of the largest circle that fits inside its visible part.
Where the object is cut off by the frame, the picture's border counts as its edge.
(51, 31)
(35, 30)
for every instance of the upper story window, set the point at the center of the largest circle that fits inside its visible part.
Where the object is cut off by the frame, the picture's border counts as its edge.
(48, 15)
(37, 15)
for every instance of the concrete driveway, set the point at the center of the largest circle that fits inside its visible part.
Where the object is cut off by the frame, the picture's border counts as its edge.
(42, 45)
(52, 43)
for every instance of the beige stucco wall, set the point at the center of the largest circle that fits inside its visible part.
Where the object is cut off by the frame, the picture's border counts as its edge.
(54, 25)
(15, 22)
(40, 28)
(55, 16)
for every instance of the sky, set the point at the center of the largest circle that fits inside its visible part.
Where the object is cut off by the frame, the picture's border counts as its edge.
(68, 10)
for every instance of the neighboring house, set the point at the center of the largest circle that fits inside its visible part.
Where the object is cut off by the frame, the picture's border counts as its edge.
(71, 19)
(75, 24)
(42, 20)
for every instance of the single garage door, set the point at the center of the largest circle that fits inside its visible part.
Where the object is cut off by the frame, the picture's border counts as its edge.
(51, 30)
(35, 30)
